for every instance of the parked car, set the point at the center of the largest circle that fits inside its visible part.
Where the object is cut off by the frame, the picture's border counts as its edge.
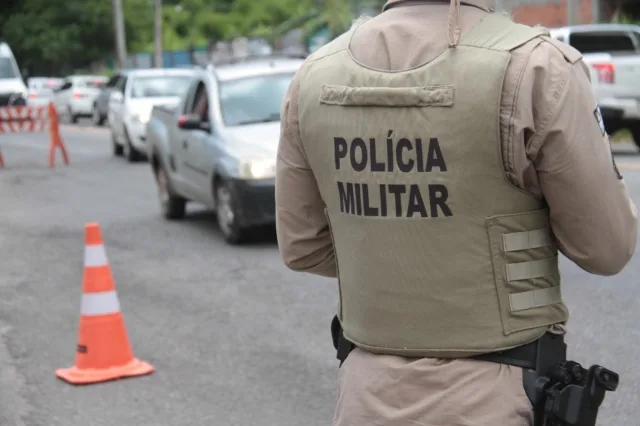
(40, 90)
(130, 103)
(612, 51)
(76, 95)
(218, 146)
(12, 88)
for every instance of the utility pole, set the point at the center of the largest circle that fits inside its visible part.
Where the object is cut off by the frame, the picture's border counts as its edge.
(572, 12)
(118, 22)
(595, 11)
(157, 33)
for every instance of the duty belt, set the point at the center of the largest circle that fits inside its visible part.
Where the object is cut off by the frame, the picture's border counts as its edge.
(527, 356)
(561, 392)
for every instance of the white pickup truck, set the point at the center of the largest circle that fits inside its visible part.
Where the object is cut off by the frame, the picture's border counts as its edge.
(612, 52)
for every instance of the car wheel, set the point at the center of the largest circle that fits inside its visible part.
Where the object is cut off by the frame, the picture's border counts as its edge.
(118, 150)
(227, 216)
(635, 133)
(72, 117)
(173, 206)
(98, 119)
(130, 153)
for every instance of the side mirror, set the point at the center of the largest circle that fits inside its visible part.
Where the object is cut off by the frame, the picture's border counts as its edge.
(116, 97)
(192, 122)
(25, 73)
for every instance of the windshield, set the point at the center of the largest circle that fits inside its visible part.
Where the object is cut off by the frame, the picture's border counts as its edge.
(253, 100)
(160, 86)
(7, 69)
(602, 43)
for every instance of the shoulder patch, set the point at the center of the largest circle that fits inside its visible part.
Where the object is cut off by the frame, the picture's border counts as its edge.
(569, 53)
(598, 116)
(613, 161)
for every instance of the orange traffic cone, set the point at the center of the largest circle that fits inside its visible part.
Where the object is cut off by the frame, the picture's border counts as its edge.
(103, 351)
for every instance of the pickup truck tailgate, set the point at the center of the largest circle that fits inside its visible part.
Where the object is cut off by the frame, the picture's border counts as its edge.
(627, 70)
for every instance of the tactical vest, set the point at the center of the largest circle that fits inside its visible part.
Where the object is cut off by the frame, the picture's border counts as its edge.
(438, 254)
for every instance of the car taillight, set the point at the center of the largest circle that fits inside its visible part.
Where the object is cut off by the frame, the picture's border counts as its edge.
(32, 95)
(606, 72)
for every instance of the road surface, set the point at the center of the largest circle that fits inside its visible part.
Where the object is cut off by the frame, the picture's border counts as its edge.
(235, 337)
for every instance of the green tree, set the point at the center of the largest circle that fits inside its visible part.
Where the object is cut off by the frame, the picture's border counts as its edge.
(53, 36)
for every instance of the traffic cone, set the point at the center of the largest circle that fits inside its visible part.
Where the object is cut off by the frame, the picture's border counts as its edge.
(103, 351)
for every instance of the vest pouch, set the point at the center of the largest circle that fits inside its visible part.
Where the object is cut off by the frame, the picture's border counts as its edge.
(527, 278)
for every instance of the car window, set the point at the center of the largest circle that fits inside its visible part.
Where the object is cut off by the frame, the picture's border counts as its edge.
(7, 70)
(93, 82)
(253, 99)
(35, 83)
(120, 85)
(65, 86)
(602, 42)
(200, 104)
(159, 86)
(112, 81)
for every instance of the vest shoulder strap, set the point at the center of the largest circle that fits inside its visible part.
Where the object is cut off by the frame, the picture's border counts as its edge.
(497, 32)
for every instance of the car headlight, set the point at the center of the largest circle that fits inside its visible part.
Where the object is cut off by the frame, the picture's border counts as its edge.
(142, 117)
(257, 168)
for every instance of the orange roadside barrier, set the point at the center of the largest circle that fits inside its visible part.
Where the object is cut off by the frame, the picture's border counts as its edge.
(30, 119)
(103, 352)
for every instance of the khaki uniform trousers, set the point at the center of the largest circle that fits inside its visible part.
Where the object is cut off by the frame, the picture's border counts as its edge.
(384, 390)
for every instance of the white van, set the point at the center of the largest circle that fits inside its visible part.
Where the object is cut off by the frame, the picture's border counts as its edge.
(12, 89)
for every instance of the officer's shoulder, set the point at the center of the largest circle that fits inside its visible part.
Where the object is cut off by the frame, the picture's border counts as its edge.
(331, 47)
(553, 45)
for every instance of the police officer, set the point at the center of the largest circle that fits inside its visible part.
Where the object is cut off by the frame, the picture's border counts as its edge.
(436, 159)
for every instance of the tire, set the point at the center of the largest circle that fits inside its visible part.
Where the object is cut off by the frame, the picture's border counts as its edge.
(172, 205)
(72, 117)
(635, 133)
(98, 120)
(118, 149)
(226, 214)
(130, 153)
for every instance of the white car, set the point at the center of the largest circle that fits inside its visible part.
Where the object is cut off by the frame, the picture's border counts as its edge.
(12, 89)
(132, 100)
(41, 90)
(76, 95)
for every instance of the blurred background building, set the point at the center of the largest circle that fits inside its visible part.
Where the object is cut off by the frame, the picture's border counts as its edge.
(558, 13)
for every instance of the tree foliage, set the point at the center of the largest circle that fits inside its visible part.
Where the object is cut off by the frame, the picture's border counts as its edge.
(58, 36)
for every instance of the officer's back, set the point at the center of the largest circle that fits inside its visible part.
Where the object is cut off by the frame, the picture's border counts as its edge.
(553, 164)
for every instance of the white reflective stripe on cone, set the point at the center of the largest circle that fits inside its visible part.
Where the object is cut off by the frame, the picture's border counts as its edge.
(100, 303)
(95, 256)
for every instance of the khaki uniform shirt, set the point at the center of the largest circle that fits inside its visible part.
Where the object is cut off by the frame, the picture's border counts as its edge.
(547, 152)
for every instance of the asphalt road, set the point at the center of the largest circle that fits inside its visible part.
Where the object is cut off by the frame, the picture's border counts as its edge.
(235, 337)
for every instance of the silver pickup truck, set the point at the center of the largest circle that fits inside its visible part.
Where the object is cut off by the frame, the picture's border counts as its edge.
(218, 146)
(612, 52)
